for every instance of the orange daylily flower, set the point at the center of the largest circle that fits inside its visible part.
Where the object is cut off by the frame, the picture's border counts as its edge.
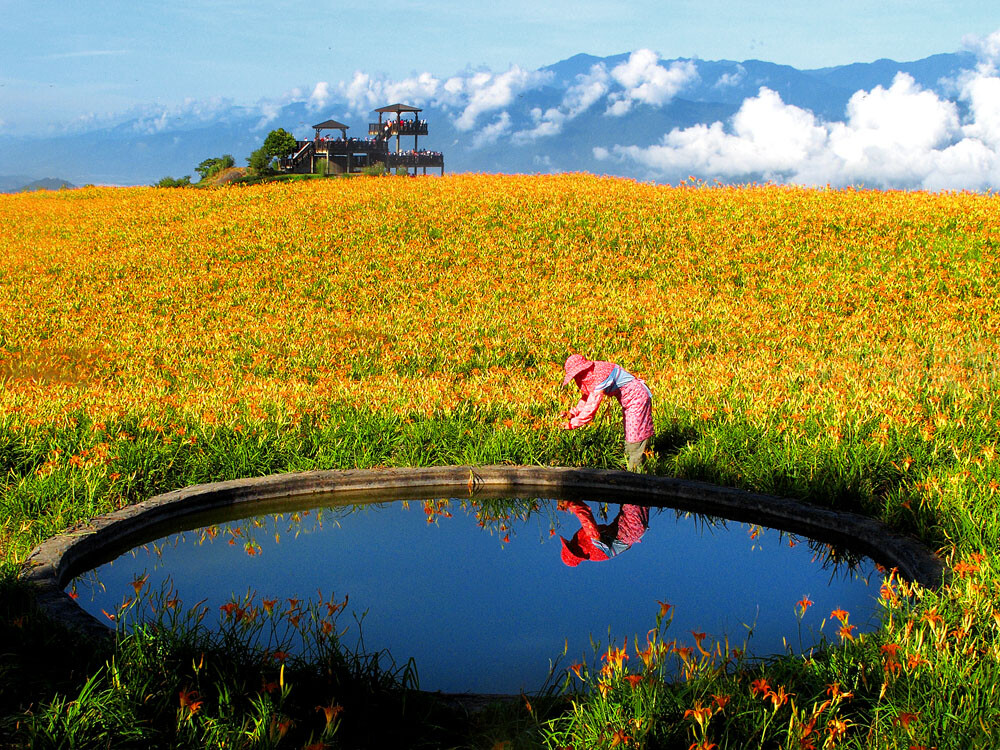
(760, 685)
(620, 737)
(190, 700)
(331, 712)
(698, 638)
(905, 718)
(932, 618)
(778, 698)
(699, 714)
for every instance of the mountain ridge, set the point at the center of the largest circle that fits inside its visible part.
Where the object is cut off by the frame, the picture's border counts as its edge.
(142, 149)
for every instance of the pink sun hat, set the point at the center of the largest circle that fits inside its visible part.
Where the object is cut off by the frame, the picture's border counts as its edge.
(572, 553)
(575, 364)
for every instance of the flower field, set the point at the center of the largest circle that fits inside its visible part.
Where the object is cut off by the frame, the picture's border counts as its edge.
(835, 346)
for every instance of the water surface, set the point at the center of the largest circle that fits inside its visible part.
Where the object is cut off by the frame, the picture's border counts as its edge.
(479, 595)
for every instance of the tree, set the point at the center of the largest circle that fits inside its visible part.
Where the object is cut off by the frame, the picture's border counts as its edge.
(211, 167)
(259, 161)
(170, 182)
(278, 144)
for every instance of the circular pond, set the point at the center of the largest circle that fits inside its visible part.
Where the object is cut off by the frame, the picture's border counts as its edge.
(479, 593)
(484, 589)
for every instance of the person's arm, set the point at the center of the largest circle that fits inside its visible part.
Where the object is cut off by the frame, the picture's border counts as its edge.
(585, 516)
(583, 413)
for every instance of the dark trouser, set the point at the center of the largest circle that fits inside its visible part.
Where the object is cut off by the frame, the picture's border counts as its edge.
(635, 454)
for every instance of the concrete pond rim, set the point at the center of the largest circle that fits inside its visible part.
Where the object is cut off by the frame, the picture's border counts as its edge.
(56, 561)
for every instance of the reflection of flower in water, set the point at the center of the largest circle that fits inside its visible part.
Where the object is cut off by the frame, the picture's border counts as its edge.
(190, 703)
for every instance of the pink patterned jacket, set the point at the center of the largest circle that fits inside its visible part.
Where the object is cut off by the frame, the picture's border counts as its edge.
(630, 391)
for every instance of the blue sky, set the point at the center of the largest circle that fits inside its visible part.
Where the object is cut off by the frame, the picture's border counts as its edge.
(68, 63)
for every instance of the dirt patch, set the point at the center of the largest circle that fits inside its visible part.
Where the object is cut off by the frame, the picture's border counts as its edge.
(227, 176)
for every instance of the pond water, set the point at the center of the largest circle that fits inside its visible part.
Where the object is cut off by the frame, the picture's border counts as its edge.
(479, 592)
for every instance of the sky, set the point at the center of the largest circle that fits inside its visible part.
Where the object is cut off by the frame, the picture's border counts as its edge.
(64, 64)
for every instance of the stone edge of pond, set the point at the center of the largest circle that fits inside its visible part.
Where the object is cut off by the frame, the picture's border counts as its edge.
(52, 564)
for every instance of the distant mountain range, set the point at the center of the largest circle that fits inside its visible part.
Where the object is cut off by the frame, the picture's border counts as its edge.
(22, 184)
(581, 114)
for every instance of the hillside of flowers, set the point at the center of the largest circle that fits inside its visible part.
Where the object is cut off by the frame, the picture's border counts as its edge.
(838, 346)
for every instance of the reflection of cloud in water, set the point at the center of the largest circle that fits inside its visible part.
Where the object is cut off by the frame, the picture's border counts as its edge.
(425, 582)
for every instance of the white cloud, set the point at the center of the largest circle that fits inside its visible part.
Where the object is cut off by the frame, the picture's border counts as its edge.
(734, 78)
(487, 92)
(581, 96)
(490, 133)
(544, 164)
(547, 123)
(151, 119)
(900, 136)
(269, 112)
(987, 50)
(475, 93)
(421, 89)
(982, 93)
(640, 79)
(362, 92)
(320, 95)
(645, 80)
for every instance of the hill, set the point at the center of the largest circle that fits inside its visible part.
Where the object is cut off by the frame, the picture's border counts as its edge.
(47, 183)
(22, 184)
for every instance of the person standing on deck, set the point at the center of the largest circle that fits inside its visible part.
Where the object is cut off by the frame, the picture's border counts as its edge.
(595, 379)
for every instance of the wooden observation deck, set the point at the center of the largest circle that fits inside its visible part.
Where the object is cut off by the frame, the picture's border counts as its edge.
(344, 155)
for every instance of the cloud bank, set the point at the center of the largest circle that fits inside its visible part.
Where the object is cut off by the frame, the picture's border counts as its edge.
(896, 136)
(482, 96)
(471, 97)
(902, 136)
(640, 79)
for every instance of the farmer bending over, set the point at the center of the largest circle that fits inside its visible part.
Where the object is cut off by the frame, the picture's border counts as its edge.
(595, 379)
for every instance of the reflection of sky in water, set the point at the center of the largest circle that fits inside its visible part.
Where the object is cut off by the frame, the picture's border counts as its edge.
(482, 616)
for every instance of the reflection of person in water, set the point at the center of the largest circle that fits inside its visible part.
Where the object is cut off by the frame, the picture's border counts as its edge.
(601, 541)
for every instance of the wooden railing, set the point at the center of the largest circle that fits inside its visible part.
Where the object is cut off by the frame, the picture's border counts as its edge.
(415, 159)
(352, 145)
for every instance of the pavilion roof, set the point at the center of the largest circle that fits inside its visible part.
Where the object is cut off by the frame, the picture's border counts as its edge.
(331, 125)
(399, 108)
